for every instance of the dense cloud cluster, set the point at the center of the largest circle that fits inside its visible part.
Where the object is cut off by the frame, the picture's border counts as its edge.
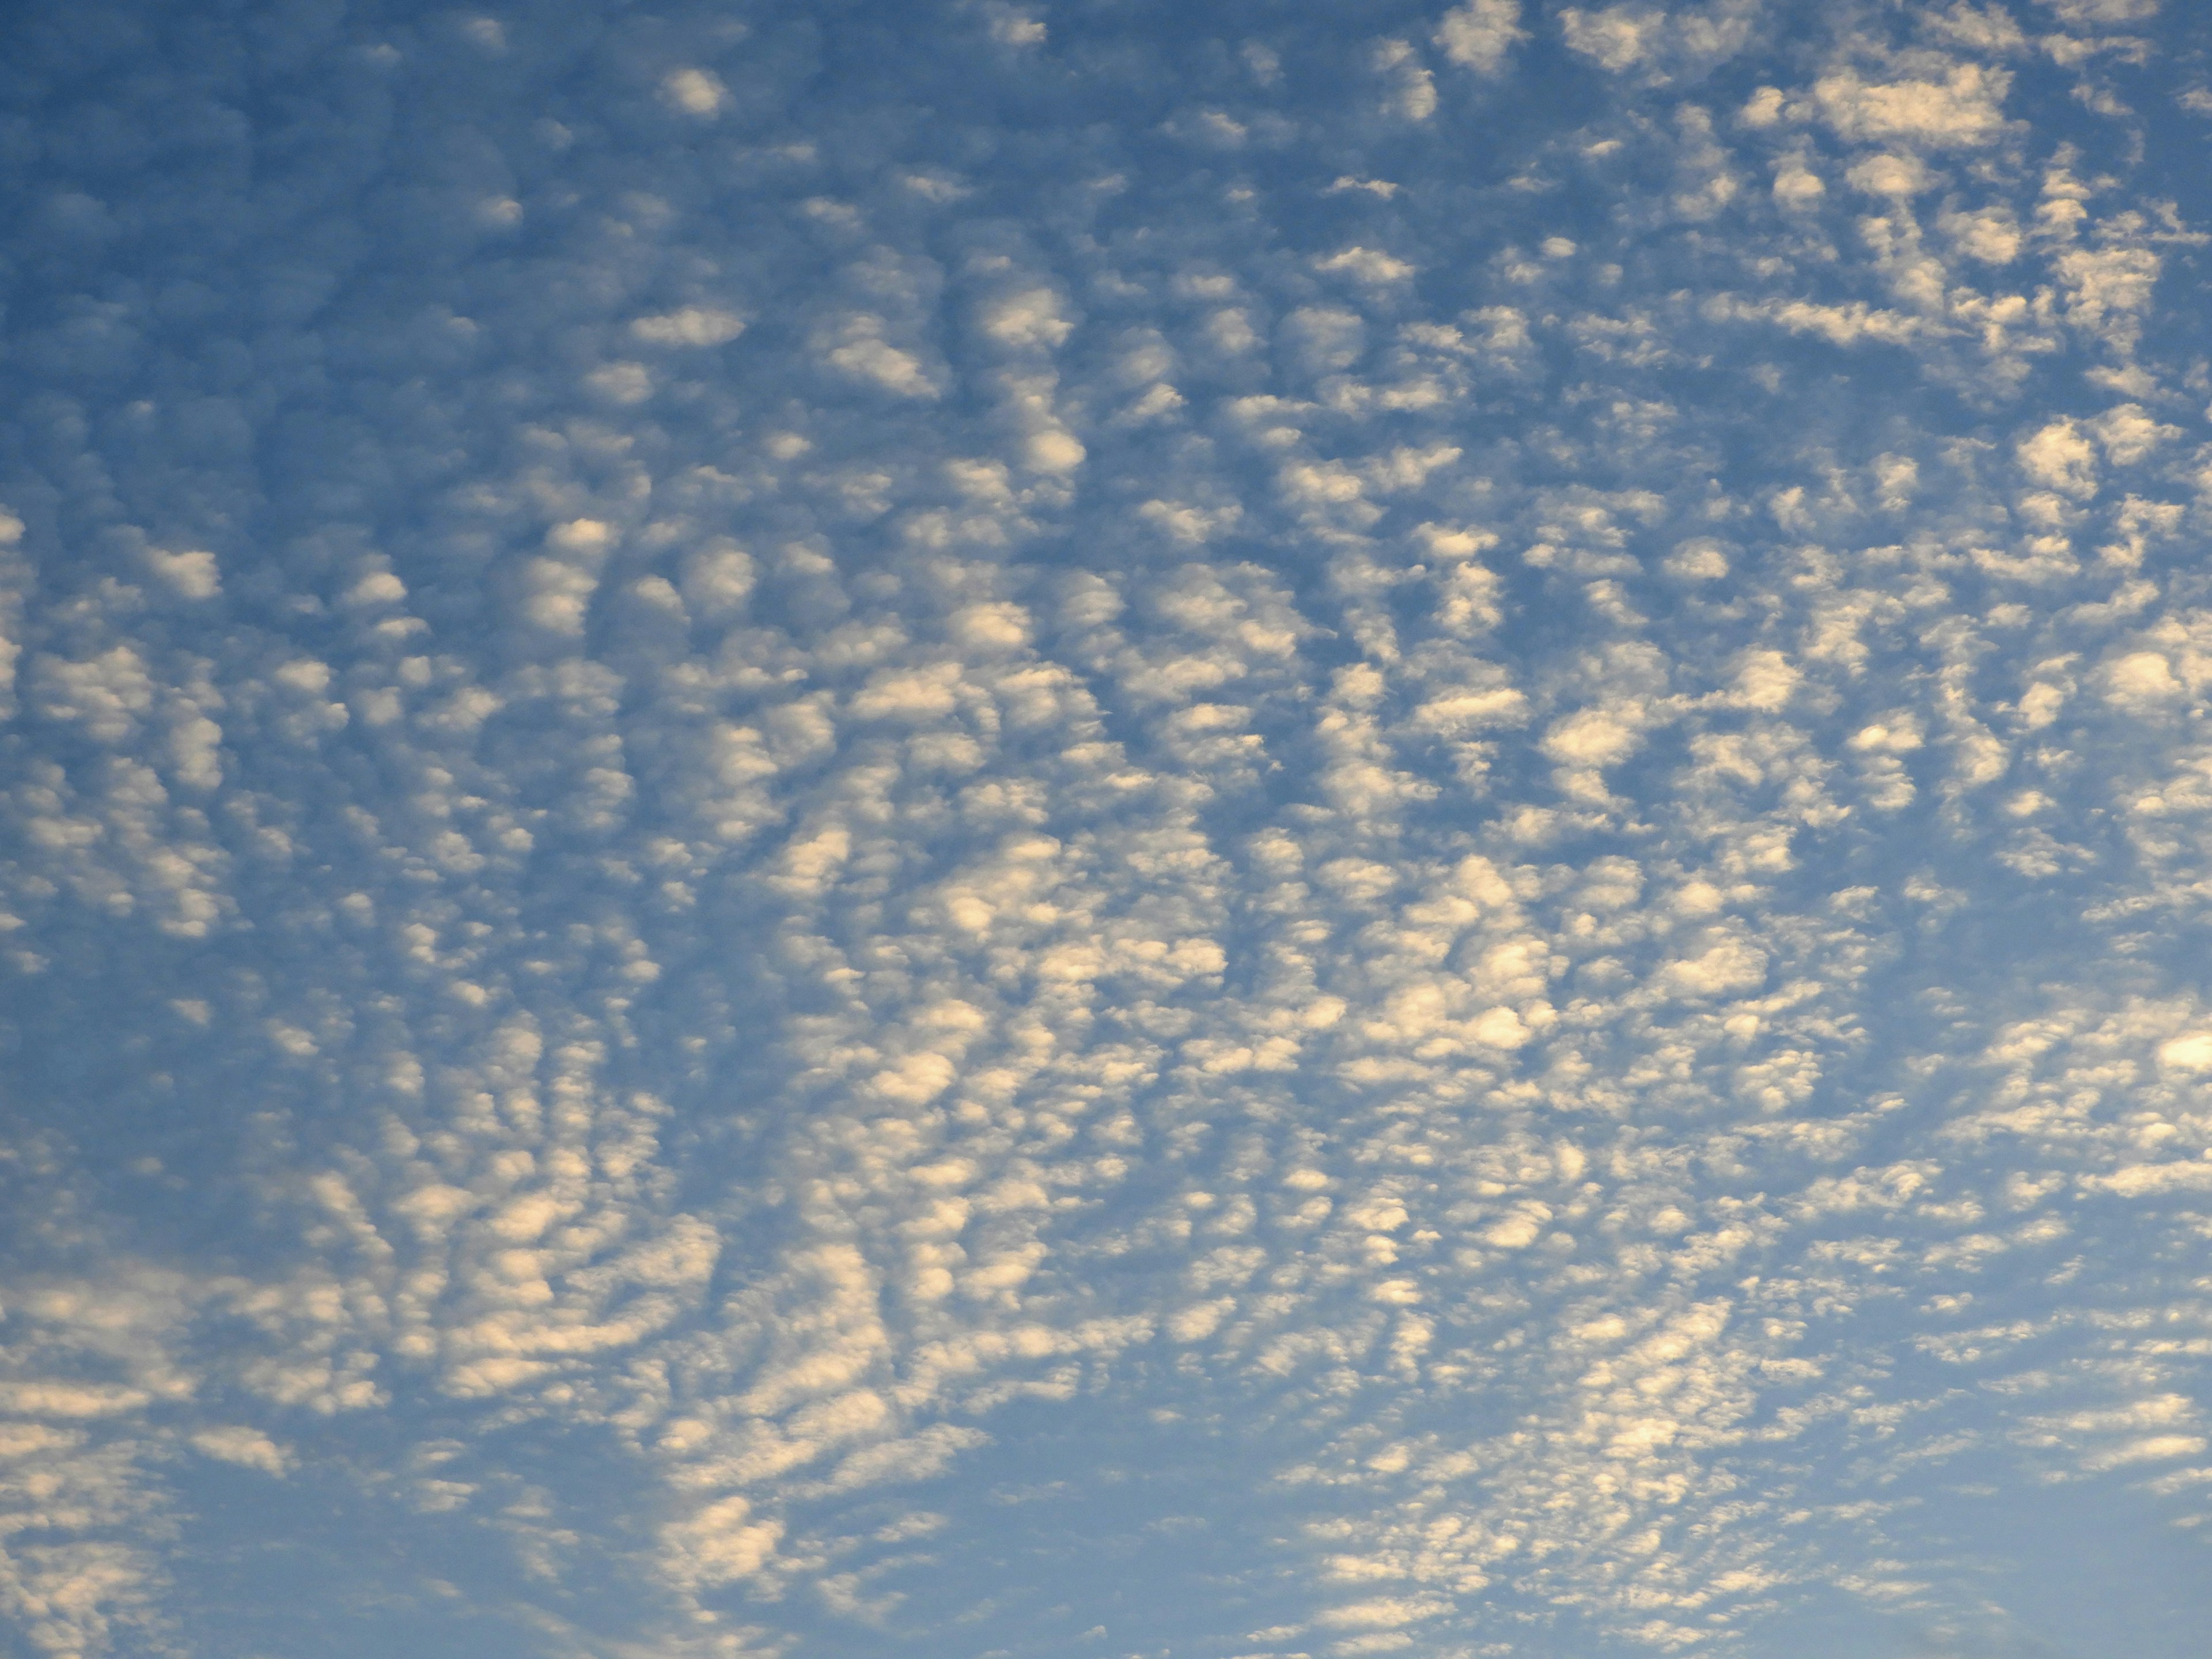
(1105, 828)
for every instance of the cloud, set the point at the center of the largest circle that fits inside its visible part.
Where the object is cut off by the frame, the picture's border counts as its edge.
(691, 326)
(1478, 35)
(2059, 456)
(1366, 264)
(249, 1447)
(1413, 95)
(695, 92)
(1617, 37)
(856, 346)
(1593, 738)
(2094, 12)
(1963, 109)
(749, 872)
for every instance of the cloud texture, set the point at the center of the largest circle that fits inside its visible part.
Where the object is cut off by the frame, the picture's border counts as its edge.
(999, 829)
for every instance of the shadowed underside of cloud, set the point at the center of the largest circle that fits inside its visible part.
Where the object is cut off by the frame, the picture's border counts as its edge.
(1009, 830)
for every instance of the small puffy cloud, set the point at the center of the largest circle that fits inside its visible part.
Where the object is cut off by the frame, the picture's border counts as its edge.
(935, 184)
(2107, 289)
(1895, 733)
(1478, 35)
(1049, 448)
(1618, 38)
(192, 573)
(721, 1542)
(917, 1457)
(857, 346)
(1732, 964)
(1766, 681)
(1199, 1320)
(690, 326)
(1852, 324)
(376, 589)
(694, 92)
(1385, 1613)
(1033, 319)
(1963, 109)
(1519, 1228)
(1324, 337)
(1413, 93)
(1989, 234)
(588, 539)
(1500, 1027)
(71, 1400)
(1594, 737)
(1457, 713)
(1012, 26)
(106, 695)
(1366, 264)
(2095, 12)
(914, 694)
(1796, 183)
(2141, 679)
(1763, 109)
(993, 625)
(1898, 176)
(2060, 457)
(2150, 1448)
(621, 383)
(2129, 434)
(1191, 526)
(1983, 28)
(2191, 1052)
(557, 594)
(247, 1448)
(1700, 561)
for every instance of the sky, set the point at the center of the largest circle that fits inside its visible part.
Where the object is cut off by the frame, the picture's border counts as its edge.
(971, 829)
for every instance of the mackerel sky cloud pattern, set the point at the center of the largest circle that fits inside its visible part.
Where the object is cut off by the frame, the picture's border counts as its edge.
(1219, 832)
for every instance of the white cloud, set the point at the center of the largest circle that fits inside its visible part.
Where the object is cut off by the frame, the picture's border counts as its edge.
(1901, 176)
(1412, 89)
(2129, 434)
(105, 695)
(1964, 108)
(691, 326)
(857, 346)
(697, 92)
(1701, 560)
(1033, 318)
(249, 1447)
(1990, 234)
(192, 573)
(1594, 737)
(1478, 35)
(1618, 38)
(2093, 12)
(2059, 456)
(2192, 1052)
(1367, 264)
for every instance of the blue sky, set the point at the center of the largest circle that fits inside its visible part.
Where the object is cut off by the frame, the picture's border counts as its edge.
(1243, 832)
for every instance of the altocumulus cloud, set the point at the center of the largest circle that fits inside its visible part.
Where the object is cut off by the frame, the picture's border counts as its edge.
(1003, 829)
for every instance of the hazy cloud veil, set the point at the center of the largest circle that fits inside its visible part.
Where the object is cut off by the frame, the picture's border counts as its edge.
(1221, 831)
